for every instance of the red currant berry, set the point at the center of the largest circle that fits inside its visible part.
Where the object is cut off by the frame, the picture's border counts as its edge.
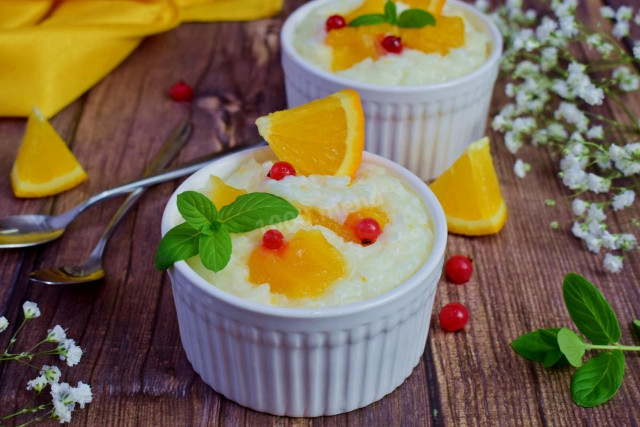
(453, 317)
(335, 22)
(458, 269)
(281, 169)
(272, 239)
(392, 44)
(181, 91)
(367, 230)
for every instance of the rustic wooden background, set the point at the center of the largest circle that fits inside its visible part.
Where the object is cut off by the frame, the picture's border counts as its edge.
(127, 323)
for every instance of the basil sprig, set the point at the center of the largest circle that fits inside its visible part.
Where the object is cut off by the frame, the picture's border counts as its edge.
(597, 380)
(207, 231)
(410, 18)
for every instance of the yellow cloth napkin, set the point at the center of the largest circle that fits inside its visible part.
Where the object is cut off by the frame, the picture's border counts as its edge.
(52, 51)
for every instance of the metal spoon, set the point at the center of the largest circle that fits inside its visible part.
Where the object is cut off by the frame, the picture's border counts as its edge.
(91, 269)
(27, 230)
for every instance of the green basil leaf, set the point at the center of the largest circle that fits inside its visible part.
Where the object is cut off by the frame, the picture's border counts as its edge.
(197, 209)
(390, 12)
(591, 313)
(572, 346)
(598, 380)
(181, 242)
(540, 346)
(415, 18)
(215, 249)
(636, 326)
(256, 210)
(371, 19)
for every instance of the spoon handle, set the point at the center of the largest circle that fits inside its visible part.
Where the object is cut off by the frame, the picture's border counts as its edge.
(169, 175)
(171, 147)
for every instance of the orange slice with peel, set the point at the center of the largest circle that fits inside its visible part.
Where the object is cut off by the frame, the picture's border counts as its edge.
(44, 166)
(470, 195)
(323, 137)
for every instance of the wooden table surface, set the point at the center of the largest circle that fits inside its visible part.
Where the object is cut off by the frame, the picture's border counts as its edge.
(127, 323)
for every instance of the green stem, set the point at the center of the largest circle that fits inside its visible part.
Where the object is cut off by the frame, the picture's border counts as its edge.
(612, 347)
(13, 338)
(26, 411)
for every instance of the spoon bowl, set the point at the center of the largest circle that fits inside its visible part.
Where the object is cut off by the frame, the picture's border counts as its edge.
(68, 275)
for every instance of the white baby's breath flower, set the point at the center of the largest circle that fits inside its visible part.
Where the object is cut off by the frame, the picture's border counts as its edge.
(608, 240)
(623, 200)
(593, 243)
(62, 411)
(545, 29)
(4, 323)
(513, 141)
(575, 178)
(626, 241)
(603, 160)
(607, 12)
(572, 114)
(37, 384)
(30, 310)
(57, 334)
(524, 124)
(620, 29)
(617, 153)
(636, 50)
(580, 230)
(626, 79)
(595, 213)
(597, 228)
(549, 58)
(82, 394)
(557, 131)
(612, 263)
(70, 352)
(598, 184)
(605, 49)
(573, 161)
(624, 13)
(568, 26)
(526, 69)
(51, 373)
(636, 18)
(579, 206)
(595, 132)
(521, 168)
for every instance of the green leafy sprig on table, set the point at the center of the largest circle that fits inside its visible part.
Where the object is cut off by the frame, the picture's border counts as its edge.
(207, 231)
(410, 18)
(597, 380)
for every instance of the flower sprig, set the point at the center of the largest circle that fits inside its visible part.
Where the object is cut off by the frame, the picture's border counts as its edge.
(552, 92)
(64, 397)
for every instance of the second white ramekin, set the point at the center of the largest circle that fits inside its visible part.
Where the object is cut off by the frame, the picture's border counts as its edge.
(305, 362)
(424, 128)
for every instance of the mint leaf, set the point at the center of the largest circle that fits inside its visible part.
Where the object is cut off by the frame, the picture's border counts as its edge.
(598, 380)
(540, 346)
(572, 346)
(591, 313)
(196, 209)
(390, 12)
(256, 210)
(636, 326)
(415, 18)
(181, 242)
(215, 249)
(371, 19)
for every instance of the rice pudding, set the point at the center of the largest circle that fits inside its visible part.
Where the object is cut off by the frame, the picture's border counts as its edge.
(356, 271)
(455, 46)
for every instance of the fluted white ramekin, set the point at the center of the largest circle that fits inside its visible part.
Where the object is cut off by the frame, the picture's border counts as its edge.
(305, 362)
(424, 128)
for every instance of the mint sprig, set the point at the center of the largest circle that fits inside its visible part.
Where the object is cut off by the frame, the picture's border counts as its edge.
(207, 231)
(410, 18)
(600, 377)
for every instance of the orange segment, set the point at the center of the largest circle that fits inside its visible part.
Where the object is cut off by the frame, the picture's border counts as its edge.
(323, 137)
(303, 268)
(222, 194)
(377, 6)
(470, 195)
(44, 165)
(433, 6)
(351, 45)
(346, 230)
(448, 33)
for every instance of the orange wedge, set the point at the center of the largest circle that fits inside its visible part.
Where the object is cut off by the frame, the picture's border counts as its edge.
(470, 195)
(223, 194)
(323, 137)
(44, 165)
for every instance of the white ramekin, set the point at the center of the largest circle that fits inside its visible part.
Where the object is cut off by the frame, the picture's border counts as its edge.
(305, 362)
(424, 128)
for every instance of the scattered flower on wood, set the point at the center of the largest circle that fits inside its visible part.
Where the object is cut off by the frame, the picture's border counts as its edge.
(552, 95)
